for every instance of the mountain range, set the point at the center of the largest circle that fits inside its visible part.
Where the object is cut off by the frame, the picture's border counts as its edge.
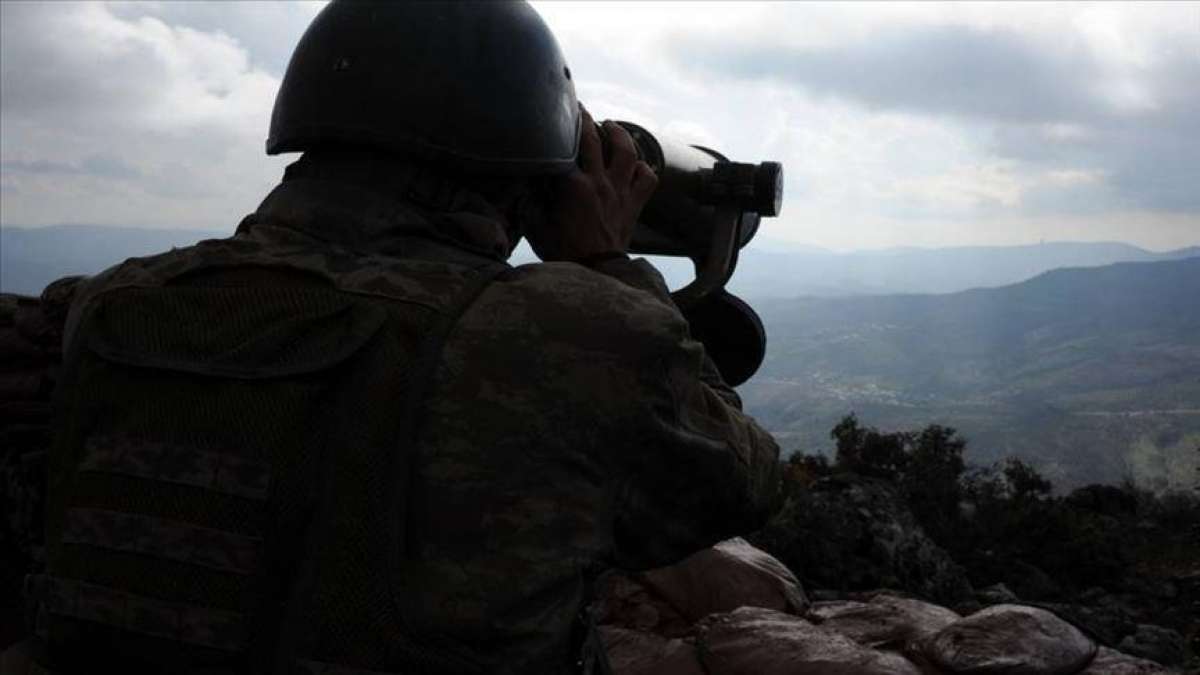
(1082, 358)
(32, 257)
(767, 273)
(1091, 374)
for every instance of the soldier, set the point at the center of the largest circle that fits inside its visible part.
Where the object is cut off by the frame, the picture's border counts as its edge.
(350, 438)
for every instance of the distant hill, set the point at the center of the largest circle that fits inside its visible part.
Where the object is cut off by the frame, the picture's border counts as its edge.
(32, 257)
(767, 274)
(1091, 374)
(788, 271)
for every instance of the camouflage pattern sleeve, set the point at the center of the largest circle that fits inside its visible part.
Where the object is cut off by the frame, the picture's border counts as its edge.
(571, 428)
(705, 470)
(640, 274)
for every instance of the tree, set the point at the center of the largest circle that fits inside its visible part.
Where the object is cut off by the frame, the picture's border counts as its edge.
(1025, 484)
(801, 470)
(867, 451)
(932, 479)
(849, 438)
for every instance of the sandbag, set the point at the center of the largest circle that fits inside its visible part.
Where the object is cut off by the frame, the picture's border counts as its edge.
(1154, 642)
(625, 602)
(17, 659)
(1010, 639)
(729, 575)
(757, 641)
(886, 621)
(632, 652)
(1112, 662)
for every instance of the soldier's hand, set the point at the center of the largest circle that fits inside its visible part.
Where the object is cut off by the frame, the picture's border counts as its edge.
(593, 209)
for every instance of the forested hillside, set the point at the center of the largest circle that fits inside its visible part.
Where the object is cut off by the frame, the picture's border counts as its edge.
(1090, 374)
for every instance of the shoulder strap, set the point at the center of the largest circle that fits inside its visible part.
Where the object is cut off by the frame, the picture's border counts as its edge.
(295, 627)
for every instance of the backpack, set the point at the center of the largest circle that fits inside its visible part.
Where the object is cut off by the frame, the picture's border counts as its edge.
(227, 487)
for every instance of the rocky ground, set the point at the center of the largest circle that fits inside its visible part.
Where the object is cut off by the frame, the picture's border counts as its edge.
(851, 534)
(30, 339)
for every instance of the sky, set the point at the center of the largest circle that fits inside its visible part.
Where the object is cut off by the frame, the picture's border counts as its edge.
(897, 124)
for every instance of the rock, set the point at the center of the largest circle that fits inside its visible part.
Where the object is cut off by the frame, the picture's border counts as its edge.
(1010, 639)
(1108, 500)
(886, 621)
(1156, 643)
(851, 532)
(996, 594)
(824, 595)
(1112, 662)
(1161, 589)
(624, 602)
(17, 659)
(636, 653)
(729, 575)
(30, 353)
(1106, 622)
(1030, 582)
(756, 641)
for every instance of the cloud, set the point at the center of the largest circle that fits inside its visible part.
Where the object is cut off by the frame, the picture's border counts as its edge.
(897, 123)
(112, 113)
(81, 64)
(1103, 94)
(94, 165)
(266, 29)
(939, 70)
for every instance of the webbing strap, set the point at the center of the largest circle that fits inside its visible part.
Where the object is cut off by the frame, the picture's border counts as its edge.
(427, 361)
(307, 667)
(218, 472)
(179, 622)
(163, 538)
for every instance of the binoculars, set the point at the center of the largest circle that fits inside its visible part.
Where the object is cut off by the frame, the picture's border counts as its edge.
(706, 208)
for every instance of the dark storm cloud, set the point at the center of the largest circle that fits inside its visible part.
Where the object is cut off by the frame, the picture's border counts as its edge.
(1056, 104)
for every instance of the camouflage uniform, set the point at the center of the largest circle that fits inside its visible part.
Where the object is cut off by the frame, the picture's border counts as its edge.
(570, 425)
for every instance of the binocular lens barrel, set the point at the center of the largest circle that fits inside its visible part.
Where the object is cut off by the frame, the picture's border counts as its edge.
(693, 181)
(756, 187)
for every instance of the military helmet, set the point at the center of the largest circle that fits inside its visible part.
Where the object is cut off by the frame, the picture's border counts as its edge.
(478, 87)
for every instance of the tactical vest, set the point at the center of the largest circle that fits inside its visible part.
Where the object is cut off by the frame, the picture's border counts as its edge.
(227, 491)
